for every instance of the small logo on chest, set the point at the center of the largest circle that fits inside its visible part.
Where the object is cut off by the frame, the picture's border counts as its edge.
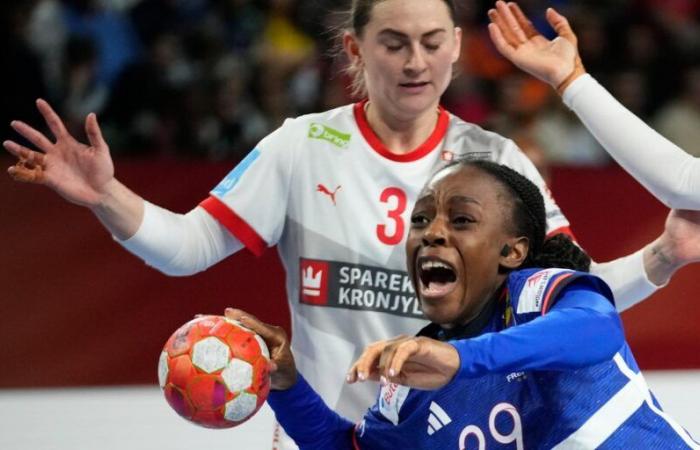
(437, 418)
(325, 191)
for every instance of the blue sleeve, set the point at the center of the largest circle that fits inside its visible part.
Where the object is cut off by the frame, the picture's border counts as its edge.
(582, 328)
(308, 420)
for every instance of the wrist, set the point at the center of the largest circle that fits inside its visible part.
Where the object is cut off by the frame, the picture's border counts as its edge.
(106, 198)
(578, 71)
(659, 262)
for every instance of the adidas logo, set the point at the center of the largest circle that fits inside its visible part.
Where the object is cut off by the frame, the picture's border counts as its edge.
(437, 418)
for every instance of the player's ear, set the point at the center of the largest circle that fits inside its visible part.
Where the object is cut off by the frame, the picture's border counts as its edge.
(352, 49)
(458, 45)
(514, 252)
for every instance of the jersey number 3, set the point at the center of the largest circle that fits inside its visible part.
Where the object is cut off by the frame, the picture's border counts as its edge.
(391, 232)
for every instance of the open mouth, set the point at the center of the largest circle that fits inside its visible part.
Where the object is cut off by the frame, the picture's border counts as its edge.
(436, 278)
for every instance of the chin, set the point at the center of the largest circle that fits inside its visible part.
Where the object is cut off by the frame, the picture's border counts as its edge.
(417, 104)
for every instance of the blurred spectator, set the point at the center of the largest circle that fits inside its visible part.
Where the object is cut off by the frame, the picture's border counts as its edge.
(110, 30)
(208, 78)
(83, 91)
(22, 74)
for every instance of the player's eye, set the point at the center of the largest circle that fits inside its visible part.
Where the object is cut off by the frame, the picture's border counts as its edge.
(419, 220)
(463, 220)
(393, 48)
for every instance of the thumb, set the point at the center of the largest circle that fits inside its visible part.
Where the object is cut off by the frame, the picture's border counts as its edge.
(94, 134)
(561, 25)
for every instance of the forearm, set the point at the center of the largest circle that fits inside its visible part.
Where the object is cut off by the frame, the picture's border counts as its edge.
(308, 420)
(180, 244)
(579, 331)
(668, 172)
(121, 210)
(628, 277)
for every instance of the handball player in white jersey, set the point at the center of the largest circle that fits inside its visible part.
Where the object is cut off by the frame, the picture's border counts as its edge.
(333, 191)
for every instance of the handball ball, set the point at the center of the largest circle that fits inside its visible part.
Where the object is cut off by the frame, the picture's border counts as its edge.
(215, 372)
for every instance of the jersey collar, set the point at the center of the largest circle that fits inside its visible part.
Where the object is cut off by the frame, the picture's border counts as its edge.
(422, 150)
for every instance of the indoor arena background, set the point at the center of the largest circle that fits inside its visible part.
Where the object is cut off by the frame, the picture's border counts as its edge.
(183, 89)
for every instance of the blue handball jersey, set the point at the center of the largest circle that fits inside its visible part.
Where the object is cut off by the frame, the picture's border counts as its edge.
(606, 405)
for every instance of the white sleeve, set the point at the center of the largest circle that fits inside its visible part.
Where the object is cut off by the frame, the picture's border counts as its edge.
(252, 201)
(668, 172)
(180, 244)
(627, 279)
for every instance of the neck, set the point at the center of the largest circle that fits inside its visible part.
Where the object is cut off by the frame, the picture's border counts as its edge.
(401, 133)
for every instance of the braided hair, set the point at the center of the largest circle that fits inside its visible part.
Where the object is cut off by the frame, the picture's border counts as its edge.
(530, 220)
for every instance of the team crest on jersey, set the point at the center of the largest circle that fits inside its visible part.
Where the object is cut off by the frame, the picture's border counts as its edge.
(447, 155)
(391, 398)
(338, 284)
(314, 282)
(533, 295)
(326, 133)
(228, 183)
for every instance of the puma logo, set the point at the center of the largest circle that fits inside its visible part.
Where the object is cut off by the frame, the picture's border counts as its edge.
(324, 190)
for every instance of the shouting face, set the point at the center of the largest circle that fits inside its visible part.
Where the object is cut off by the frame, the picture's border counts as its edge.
(460, 238)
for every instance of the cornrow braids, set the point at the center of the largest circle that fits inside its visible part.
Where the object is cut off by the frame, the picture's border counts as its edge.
(530, 220)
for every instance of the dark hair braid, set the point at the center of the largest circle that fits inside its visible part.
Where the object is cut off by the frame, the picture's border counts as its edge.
(530, 220)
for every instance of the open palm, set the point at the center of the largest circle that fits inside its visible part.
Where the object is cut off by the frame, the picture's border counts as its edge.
(79, 173)
(552, 61)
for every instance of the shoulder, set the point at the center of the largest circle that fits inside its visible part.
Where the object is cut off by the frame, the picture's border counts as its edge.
(468, 140)
(534, 291)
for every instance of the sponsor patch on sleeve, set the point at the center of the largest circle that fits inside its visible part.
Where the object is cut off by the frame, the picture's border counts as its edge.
(391, 398)
(533, 294)
(228, 183)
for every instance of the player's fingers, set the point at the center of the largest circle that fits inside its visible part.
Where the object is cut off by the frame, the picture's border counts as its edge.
(561, 25)
(270, 333)
(403, 352)
(525, 23)
(31, 165)
(367, 364)
(500, 23)
(510, 22)
(35, 137)
(17, 150)
(20, 172)
(52, 119)
(500, 42)
(94, 134)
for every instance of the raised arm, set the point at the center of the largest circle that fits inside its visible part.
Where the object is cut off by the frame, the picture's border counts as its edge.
(661, 167)
(664, 169)
(82, 174)
(176, 244)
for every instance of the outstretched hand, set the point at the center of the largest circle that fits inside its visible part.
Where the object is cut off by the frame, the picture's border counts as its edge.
(417, 362)
(79, 173)
(678, 245)
(556, 62)
(683, 231)
(283, 371)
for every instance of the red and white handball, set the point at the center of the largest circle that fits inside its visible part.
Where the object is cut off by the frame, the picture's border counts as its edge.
(215, 372)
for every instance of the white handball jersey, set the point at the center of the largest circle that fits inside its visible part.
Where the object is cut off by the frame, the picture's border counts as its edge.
(337, 203)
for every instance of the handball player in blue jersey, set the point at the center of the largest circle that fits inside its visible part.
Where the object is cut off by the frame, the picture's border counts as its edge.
(525, 349)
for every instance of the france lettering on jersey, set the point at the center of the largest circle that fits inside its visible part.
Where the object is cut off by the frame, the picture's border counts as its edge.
(607, 405)
(337, 203)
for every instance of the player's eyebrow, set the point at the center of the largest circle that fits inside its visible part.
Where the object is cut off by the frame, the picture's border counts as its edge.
(464, 199)
(390, 32)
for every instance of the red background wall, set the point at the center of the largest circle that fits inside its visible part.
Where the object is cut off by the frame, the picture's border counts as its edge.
(76, 309)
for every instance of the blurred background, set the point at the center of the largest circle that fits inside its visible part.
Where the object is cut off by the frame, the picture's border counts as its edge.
(185, 88)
